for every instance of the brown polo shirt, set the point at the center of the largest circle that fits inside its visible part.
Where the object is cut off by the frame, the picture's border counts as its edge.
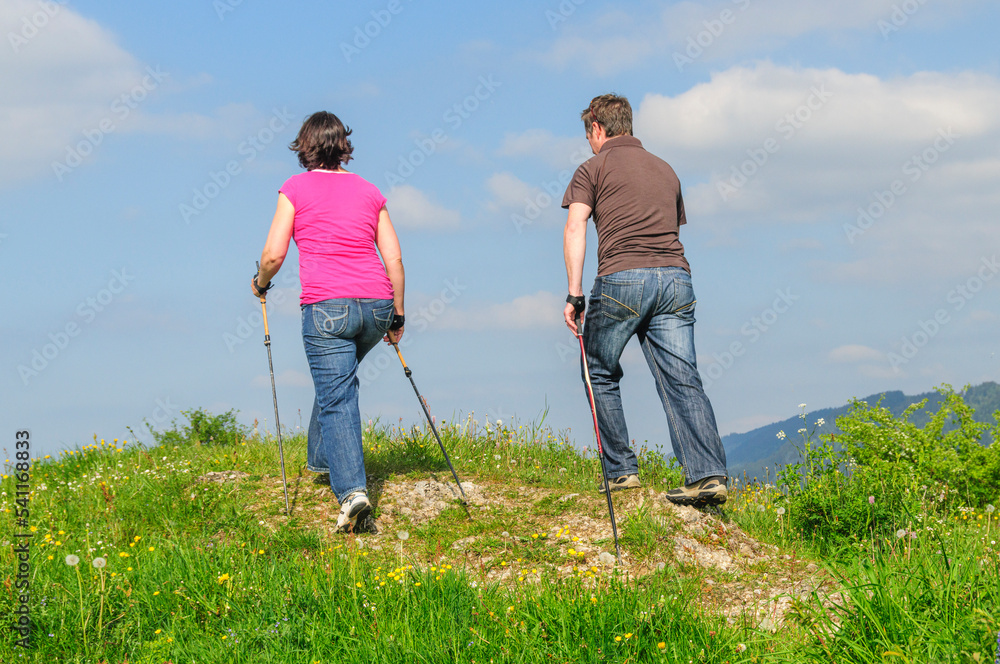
(637, 207)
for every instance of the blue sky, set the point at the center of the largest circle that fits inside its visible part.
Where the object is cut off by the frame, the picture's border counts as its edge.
(839, 165)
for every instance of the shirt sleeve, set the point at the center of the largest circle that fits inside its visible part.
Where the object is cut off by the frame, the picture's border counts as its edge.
(378, 201)
(581, 188)
(289, 190)
(681, 217)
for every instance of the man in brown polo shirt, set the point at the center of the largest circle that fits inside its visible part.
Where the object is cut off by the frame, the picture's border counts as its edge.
(643, 288)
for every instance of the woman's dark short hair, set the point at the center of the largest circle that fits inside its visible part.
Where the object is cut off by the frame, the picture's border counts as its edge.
(322, 142)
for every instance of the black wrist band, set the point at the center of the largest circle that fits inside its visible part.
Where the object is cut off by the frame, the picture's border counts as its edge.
(256, 284)
(579, 302)
(397, 322)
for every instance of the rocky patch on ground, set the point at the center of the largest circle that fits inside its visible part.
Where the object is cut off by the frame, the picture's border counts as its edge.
(742, 578)
(224, 476)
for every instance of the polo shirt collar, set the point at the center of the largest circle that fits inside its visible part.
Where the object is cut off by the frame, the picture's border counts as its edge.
(621, 142)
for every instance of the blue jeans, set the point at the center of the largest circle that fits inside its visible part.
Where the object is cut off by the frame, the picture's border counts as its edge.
(337, 334)
(657, 304)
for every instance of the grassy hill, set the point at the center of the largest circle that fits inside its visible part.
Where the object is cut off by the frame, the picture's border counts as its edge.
(759, 452)
(182, 553)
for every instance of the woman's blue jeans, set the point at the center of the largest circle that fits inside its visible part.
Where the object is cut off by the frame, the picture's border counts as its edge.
(657, 305)
(337, 334)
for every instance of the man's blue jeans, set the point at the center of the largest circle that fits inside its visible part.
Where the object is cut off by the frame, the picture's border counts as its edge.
(337, 334)
(657, 304)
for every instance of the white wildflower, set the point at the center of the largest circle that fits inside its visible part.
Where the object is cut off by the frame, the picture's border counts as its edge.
(781, 435)
(820, 422)
(72, 560)
(100, 563)
(403, 535)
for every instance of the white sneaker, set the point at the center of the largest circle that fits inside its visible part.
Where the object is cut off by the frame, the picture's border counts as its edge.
(355, 508)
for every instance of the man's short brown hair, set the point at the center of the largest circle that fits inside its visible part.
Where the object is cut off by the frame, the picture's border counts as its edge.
(322, 142)
(611, 112)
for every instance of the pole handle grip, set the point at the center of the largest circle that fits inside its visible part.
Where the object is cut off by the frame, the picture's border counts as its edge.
(263, 308)
(406, 369)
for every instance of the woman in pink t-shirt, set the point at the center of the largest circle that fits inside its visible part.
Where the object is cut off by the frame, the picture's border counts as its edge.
(350, 298)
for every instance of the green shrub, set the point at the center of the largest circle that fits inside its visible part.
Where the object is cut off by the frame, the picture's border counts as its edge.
(837, 509)
(872, 478)
(203, 428)
(947, 455)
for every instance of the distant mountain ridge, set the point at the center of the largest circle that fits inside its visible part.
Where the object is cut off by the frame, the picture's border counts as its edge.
(756, 453)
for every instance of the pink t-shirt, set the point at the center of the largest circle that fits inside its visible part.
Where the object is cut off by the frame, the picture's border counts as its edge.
(336, 216)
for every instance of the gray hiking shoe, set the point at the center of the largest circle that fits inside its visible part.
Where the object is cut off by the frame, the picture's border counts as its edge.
(707, 491)
(354, 510)
(619, 483)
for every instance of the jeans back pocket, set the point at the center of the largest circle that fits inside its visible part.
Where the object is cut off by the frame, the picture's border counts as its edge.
(684, 299)
(330, 319)
(383, 316)
(621, 300)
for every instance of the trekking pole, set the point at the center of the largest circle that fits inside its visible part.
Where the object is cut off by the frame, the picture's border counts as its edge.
(600, 448)
(423, 404)
(274, 393)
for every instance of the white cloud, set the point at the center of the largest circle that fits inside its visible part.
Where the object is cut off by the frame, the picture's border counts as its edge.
(706, 31)
(509, 191)
(69, 88)
(411, 208)
(557, 151)
(844, 118)
(539, 310)
(855, 353)
(982, 316)
(769, 143)
(61, 74)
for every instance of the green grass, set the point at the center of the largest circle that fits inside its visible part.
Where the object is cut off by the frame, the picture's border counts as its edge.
(207, 572)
